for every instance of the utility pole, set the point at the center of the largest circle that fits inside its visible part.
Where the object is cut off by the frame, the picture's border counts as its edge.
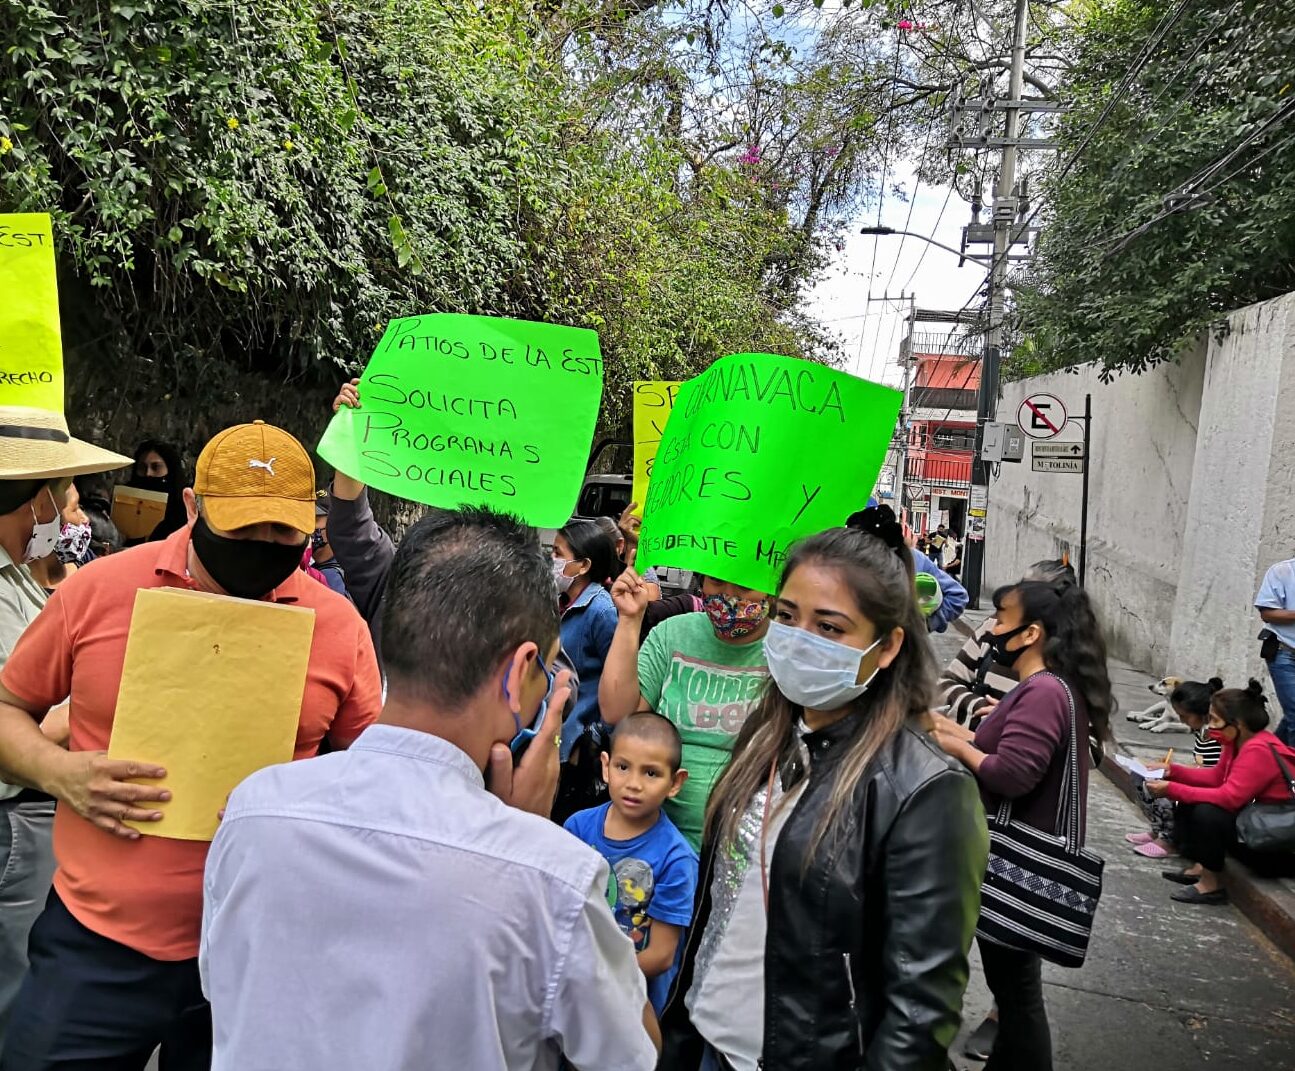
(906, 362)
(1004, 223)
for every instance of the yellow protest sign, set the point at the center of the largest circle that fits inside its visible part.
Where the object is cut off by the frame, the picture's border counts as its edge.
(211, 690)
(31, 348)
(653, 400)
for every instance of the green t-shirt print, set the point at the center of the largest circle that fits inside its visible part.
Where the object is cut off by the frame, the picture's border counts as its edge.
(707, 688)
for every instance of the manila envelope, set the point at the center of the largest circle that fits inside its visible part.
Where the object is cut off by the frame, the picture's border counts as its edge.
(136, 512)
(211, 690)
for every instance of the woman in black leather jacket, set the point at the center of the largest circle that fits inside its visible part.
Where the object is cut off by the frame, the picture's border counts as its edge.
(843, 851)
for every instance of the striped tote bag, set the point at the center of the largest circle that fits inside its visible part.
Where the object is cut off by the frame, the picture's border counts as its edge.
(1040, 891)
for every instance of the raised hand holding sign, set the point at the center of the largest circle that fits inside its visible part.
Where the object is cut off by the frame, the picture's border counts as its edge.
(474, 410)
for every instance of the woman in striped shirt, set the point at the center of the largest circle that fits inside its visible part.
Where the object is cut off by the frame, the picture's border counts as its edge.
(1191, 702)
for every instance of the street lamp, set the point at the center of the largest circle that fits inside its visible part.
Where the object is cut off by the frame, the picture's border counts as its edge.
(959, 253)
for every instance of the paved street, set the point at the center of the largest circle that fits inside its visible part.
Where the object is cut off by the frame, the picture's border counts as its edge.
(1166, 987)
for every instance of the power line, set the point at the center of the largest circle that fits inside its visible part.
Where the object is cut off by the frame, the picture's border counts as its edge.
(1162, 28)
(881, 189)
(1132, 157)
(1135, 68)
(912, 203)
(863, 334)
(1147, 51)
(927, 245)
(1185, 199)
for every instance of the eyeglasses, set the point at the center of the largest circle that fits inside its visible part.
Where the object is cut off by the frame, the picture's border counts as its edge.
(525, 734)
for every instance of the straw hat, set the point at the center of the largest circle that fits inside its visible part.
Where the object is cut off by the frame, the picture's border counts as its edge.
(35, 444)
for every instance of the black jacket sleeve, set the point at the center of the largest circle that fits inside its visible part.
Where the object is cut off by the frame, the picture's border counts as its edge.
(934, 863)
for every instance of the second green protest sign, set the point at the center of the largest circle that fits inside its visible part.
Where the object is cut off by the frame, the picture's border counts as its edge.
(475, 410)
(761, 451)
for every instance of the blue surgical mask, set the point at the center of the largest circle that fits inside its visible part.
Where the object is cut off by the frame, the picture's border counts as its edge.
(813, 671)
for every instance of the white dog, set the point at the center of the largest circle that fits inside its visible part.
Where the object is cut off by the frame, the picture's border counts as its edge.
(1160, 717)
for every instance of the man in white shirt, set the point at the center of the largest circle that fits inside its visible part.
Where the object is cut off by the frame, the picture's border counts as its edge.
(1276, 605)
(381, 907)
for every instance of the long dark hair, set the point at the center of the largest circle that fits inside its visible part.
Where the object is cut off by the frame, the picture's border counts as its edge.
(880, 580)
(176, 477)
(1075, 649)
(1247, 707)
(588, 541)
(1195, 696)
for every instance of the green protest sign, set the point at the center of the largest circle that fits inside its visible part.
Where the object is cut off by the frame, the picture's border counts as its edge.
(475, 410)
(759, 452)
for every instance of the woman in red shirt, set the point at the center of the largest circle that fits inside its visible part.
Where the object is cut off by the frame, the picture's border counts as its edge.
(1209, 800)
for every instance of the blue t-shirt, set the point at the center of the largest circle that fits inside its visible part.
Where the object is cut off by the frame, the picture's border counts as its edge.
(653, 876)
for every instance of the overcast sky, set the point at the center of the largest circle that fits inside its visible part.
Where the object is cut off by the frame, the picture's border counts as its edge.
(872, 331)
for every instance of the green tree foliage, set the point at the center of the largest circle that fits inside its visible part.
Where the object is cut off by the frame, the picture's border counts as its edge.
(1178, 209)
(245, 192)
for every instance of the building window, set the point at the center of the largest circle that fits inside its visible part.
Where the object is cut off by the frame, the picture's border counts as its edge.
(955, 438)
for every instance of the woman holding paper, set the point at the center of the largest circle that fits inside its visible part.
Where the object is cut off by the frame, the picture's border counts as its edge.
(159, 468)
(1209, 800)
(843, 855)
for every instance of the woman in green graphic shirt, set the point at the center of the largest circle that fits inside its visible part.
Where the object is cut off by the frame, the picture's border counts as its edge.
(703, 671)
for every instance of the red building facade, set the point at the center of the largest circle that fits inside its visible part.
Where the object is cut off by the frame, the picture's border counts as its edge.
(941, 430)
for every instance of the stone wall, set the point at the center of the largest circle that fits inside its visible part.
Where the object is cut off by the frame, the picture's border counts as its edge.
(1143, 450)
(1242, 509)
(1193, 495)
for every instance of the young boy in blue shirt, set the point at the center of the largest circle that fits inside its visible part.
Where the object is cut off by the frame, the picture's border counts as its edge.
(653, 868)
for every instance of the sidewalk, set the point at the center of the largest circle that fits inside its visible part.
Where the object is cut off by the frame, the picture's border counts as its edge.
(1268, 902)
(1166, 986)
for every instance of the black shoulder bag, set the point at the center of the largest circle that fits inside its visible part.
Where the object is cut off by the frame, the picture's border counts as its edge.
(1040, 891)
(1270, 827)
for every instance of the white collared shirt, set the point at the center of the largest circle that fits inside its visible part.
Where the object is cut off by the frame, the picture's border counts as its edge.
(378, 909)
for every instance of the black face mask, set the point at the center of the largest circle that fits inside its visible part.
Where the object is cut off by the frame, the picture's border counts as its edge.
(1002, 655)
(151, 483)
(245, 568)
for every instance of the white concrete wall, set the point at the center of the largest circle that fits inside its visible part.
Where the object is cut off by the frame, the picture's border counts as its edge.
(1193, 496)
(1143, 450)
(1242, 511)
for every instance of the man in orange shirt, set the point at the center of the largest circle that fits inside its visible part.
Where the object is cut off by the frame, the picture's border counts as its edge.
(114, 971)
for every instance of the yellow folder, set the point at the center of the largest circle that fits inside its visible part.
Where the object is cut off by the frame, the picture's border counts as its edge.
(211, 690)
(136, 512)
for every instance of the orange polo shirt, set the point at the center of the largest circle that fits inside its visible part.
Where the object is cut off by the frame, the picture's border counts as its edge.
(147, 893)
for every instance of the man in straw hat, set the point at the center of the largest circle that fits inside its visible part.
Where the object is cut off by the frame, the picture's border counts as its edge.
(38, 459)
(114, 969)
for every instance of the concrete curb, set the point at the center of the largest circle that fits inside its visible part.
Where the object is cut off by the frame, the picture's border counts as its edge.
(1249, 893)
